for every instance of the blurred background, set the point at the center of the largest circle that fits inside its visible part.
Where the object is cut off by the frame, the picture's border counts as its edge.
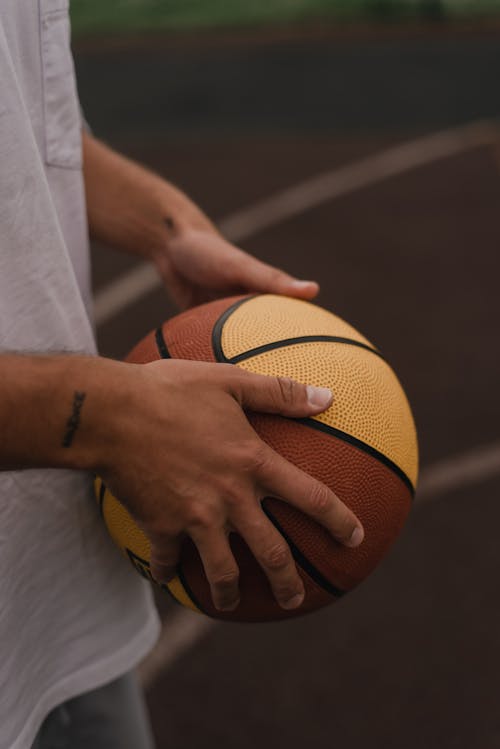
(355, 142)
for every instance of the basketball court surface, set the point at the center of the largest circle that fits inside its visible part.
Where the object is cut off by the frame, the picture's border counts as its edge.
(371, 163)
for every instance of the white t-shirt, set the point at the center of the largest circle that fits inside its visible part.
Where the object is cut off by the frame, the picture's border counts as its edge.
(73, 614)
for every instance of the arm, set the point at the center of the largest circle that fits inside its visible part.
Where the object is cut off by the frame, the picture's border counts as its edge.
(41, 404)
(133, 209)
(200, 452)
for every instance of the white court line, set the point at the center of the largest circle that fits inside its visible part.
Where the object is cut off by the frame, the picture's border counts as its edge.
(479, 464)
(184, 629)
(239, 226)
(180, 633)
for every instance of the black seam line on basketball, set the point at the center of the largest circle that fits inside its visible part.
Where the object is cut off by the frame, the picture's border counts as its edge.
(161, 345)
(219, 325)
(298, 340)
(164, 587)
(102, 492)
(303, 562)
(321, 427)
(187, 589)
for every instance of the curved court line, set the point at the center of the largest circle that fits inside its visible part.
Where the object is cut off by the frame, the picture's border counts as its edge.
(184, 629)
(283, 205)
(181, 631)
(471, 467)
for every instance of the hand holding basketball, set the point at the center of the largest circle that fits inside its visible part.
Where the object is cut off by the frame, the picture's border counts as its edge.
(184, 460)
(198, 265)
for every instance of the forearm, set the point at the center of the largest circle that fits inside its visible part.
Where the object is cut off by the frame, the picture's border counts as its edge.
(131, 208)
(53, 410)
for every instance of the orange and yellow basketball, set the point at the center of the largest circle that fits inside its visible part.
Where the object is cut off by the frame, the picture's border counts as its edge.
(364, 446)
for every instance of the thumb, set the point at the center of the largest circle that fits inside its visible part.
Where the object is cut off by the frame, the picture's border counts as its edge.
(280, 395)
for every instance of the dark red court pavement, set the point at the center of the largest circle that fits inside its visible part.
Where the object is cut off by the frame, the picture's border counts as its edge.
(411, 658)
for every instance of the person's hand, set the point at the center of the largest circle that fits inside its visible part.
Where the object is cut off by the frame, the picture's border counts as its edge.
(198, 265)
(135, 210)
(182, 457)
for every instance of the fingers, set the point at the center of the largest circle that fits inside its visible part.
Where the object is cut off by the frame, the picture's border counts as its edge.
(266, 543)
(281, 478)
(279, 395)
(220, 567)
(219, 564)
(274, 556)
(254, 275)
(164, 559)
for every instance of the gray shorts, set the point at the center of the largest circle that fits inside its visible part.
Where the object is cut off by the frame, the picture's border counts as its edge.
(111, 717)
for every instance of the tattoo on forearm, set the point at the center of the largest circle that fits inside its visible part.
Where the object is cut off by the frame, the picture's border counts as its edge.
(73, 422)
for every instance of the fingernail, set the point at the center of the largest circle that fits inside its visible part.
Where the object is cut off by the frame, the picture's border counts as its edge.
(319, 397)
(301, 284)
(357, 537)
(294, 602)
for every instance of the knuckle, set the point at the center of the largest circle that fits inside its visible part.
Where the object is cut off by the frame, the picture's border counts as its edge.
(276, 557)
(255, 456)
(225, 581)
(200, 516)
(259, 455)
(230, 491)
(319, 500)
(162, 566)
(288, 390)
(233, 500)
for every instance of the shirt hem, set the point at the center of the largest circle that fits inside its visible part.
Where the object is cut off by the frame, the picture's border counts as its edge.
(88, 678)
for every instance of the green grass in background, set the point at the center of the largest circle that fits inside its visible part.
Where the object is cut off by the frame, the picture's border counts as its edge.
(105, 16)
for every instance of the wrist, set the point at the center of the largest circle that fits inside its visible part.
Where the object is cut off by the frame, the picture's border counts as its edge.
(96, 406)
(176, 217)
(58, 410)
(130, 207)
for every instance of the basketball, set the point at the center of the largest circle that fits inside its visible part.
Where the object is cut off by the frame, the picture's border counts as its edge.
(364, 447)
